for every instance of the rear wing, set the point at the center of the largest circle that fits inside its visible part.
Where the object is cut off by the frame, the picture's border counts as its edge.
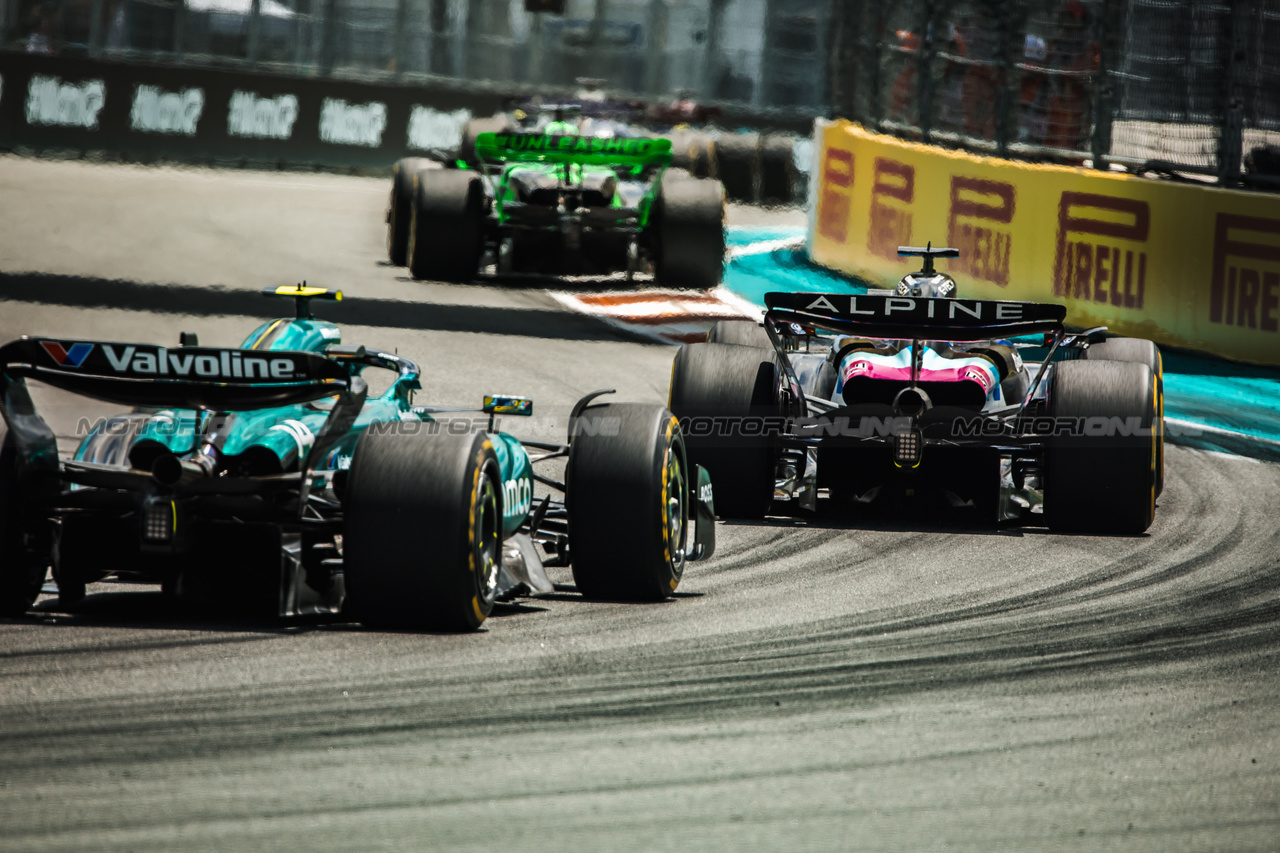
(183, 377)
(186, 378)
(579, 150)
(901, 317)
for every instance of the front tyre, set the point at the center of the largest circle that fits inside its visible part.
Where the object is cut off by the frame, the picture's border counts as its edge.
(423, 538)
(627, 494)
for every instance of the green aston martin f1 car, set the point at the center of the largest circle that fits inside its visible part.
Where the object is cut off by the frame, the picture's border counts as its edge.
(269, 479)
(559, 205)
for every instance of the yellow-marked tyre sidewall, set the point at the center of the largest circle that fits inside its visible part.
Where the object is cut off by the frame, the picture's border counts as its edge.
(410, 538)
(618, 499)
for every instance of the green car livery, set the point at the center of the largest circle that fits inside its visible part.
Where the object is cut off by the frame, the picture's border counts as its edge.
(268, 478)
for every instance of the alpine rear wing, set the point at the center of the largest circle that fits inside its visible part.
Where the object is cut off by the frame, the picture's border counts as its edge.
(182, 377)
(578, 150)
(902, 317)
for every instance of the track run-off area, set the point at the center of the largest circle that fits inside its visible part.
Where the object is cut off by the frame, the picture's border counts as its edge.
(828, 682)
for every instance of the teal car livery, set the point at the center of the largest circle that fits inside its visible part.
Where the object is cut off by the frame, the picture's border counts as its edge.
(269, 479)
(558, 204)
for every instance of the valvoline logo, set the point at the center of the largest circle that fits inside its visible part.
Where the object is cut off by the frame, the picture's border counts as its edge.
(72, 356)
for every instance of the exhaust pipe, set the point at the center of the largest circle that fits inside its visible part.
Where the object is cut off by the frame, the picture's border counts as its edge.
(168, 470)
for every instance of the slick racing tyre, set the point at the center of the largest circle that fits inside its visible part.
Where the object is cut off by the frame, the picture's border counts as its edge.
(627, 494)
(1143, 352)
(423, 540)
(472, 130)
(21, 573)
(1100, 476)
(777, 171)
(400, 208)
(446, 235)
(738, 164)
(693, 152)
(687, 233)
(747, 333)
(727, 395)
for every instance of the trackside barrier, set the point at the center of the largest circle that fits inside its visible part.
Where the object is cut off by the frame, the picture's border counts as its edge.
(151, 112)
(199, 114)
(1179, 263)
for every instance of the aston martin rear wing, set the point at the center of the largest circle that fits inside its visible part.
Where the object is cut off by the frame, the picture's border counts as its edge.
(903, 317)
(182, 377)
(578, 150)
(147, 375)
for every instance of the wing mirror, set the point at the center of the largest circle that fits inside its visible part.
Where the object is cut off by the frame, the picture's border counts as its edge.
(506, 404)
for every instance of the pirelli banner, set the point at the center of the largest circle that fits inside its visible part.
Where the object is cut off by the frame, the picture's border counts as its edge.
(1184, 265)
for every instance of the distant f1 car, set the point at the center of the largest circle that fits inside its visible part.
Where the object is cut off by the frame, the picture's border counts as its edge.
(894, 396)
(559, 205)
(269, 478)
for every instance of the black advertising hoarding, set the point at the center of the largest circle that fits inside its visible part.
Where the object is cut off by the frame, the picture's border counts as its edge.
(143, 111)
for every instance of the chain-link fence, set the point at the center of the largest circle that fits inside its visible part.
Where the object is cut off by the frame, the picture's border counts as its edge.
(764, 53)
(1186, 86)
(1183, 86)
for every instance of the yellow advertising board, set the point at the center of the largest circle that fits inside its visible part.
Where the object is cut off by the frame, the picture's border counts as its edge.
(1185, 265)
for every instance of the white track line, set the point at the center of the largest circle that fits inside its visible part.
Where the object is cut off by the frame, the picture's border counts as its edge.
(1195, 427)
(764, 247)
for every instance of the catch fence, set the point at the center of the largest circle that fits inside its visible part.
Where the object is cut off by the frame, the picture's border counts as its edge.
(1183, 87)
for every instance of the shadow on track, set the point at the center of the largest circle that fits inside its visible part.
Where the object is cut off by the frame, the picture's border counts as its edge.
(88, 292)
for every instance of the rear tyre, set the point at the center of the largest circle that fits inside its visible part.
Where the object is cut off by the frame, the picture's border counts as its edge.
(400, 208)
(742, 385)
(423, 538)
(627, 493)
(746, 333)
(21, 572)
(738, 164)
(777, 171)
(446, 235)
(687, 227)
(1102, 479)
(693, 152)
(1143, 352)
(472, 130)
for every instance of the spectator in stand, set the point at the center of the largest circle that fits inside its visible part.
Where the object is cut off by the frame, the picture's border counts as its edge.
(1075, 53)
(1033, 117)
(39, 27)
(983, 80)
(903, 95)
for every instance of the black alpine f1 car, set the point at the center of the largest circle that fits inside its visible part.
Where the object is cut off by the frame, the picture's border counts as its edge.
(917, 394)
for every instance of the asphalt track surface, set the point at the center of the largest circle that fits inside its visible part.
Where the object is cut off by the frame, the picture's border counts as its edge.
(821, 684)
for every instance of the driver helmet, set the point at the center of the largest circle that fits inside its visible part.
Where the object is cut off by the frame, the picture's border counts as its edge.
(559, 127)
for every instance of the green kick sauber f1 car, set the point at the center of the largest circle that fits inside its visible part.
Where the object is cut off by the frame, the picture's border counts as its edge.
(267, 479)
(559, 205)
